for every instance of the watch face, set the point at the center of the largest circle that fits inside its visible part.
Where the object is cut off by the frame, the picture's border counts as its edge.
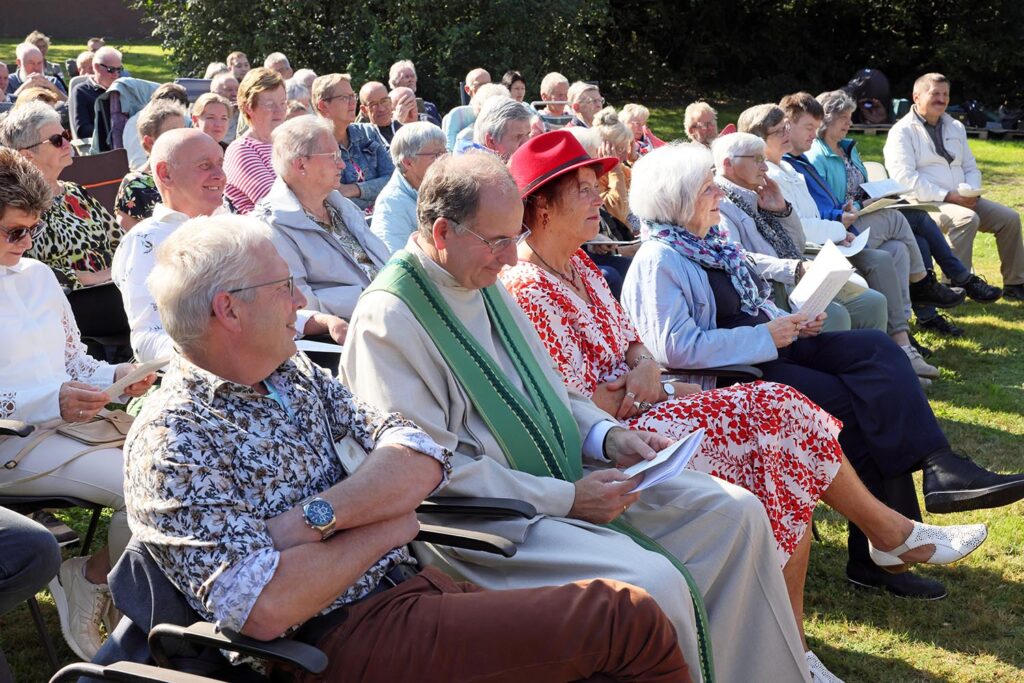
(319, 512)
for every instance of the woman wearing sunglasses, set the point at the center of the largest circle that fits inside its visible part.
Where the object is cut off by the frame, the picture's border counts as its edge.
(48, 379)
(81, 235)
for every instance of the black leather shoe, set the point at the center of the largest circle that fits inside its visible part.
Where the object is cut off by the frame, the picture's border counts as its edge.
(981, 291)
(954, 483)
(931, 292)
(940, 324)
(1013, 292)
(905, 585)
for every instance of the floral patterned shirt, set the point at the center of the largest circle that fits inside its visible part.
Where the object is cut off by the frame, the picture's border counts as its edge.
(137, 195)
(208, 461)
(80, 235)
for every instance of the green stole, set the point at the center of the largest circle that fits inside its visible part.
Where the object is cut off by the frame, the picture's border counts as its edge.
(537, 432)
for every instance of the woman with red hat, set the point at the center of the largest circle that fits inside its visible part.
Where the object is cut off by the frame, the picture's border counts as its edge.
(599, 353)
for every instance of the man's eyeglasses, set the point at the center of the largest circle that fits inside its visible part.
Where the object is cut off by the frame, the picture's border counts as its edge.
(380, 104)
(593, 100)
(336, 157)
(290, 280)
(15, 235)
(706, 125)
(58, 140)
(432, 155)
(110, 69)
(496, 245)
(345, 98)
(758, 158)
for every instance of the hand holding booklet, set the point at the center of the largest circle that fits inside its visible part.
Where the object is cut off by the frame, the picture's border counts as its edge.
(667, 463)
(826, 275)
(136, 375)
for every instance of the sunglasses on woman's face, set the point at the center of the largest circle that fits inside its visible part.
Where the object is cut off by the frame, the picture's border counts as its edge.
(58, 140)
(15, 235)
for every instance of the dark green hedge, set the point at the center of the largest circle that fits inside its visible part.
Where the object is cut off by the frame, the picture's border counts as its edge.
(664, 51)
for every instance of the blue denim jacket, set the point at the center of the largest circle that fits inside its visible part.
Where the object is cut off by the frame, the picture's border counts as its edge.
(367, 162)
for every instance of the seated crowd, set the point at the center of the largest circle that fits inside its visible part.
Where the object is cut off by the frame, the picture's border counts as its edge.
(506, 286)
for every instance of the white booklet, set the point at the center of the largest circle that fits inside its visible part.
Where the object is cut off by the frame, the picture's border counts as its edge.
(667, 463)
(877, 189)
(856, 246)
(826, 275)
(139, 373)
(308, 345)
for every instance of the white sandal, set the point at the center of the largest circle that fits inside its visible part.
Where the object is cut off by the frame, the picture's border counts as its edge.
(951, 543)
(819, 673)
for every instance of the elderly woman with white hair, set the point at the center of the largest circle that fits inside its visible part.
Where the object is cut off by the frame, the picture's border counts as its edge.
(837, 160)
(322, 236)
(414, 148)
(696, 303)
(635, 116)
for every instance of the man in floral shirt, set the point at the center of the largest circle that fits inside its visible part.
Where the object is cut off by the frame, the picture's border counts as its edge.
(242, 483)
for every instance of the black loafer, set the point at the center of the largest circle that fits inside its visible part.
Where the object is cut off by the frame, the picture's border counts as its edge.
(905, 585)
(955, 483)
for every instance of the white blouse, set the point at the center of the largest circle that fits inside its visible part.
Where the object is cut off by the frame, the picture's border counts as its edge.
(40, 345)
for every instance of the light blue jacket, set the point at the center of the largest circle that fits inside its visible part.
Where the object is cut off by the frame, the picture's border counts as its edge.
(831, 167)
(394, 214)
(669, 299)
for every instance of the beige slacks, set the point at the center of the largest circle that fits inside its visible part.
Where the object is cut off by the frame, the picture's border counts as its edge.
(961, 225)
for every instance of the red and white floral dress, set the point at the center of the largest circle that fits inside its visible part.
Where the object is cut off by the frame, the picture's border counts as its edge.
(766, 437)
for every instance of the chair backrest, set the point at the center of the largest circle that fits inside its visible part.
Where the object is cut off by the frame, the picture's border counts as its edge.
(876, 171)
(72, 108)
(100, 174)
(194, 87)
(71, 66)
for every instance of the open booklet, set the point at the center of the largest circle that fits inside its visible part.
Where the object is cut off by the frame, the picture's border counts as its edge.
(824, 278)
(667, 463)
(139, 373)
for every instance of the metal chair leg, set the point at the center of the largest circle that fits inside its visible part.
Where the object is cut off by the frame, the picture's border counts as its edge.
(44, 634)
(91, 533)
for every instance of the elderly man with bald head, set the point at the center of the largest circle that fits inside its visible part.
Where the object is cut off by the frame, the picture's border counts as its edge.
(30, 73)
(375, 106)
(188, 168)
(463, 117)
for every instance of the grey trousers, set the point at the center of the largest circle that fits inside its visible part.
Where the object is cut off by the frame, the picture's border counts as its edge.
(887, 273)
(722, 535)
(890, 232)
(961, 225)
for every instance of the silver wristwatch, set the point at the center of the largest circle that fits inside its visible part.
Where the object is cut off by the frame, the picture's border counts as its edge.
(669, 388)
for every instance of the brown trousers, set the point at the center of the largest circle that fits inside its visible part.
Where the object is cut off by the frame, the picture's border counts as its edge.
(431, 628)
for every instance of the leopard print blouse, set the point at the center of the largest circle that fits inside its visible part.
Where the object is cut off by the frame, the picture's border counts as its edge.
(80, 235)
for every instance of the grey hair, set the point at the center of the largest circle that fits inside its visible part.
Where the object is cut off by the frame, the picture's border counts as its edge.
(577, 89)
(411, 138)
(835, 103)
(275, 58)
(297, 91)
(486, 92)
(305, 77)
(588, 137)
(20, 129)
(297, 138)
(104, 51)
(760, 119)
(82, 56)
(732, 146)
(551, 80)
(666, 181)
(153, 115)
(23, 49)
(215, 68)
(203, 257)
(693, 111)
(452, 185)
(495, 115)
(633, 111)
(606, 123)
(396, 67)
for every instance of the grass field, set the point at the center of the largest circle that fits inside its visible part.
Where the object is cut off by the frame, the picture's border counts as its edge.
(146, 61)
(976, 635)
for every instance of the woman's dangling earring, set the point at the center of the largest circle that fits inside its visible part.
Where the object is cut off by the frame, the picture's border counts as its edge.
(544, 221)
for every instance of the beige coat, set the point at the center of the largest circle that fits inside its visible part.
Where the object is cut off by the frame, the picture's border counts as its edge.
(719, 531)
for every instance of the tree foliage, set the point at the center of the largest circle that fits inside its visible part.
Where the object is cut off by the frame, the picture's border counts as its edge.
(659, 49)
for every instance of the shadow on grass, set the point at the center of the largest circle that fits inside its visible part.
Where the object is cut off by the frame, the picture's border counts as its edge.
(982, 615)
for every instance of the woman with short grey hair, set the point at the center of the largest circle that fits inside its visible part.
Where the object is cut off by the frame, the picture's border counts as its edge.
(835, 103)
(322, 236)
(414, 148)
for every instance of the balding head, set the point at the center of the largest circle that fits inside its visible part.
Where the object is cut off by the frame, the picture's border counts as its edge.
(30, 59)
(476, 78)
(375, 104)
(187, 166)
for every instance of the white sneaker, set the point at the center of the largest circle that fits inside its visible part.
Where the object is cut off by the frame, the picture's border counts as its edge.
(820, 674)
(111, 617)
(80, 605)
(920, 365)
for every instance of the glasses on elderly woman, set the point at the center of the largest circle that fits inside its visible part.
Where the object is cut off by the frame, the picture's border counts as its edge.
(58, 140)
(758, 158)
(496, 245)
(781, 130)
(15, 235)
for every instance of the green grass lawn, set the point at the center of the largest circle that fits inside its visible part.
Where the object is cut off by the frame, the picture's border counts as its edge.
(975, 635)
(144, 60)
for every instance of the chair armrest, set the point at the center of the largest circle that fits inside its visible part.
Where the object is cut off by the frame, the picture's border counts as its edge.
(203, 633)
(464, 538)
(478, 507)
(16, 428)
(738, 371)
(128, 672)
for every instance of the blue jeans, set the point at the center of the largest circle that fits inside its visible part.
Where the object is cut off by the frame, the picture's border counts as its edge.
(933, 244)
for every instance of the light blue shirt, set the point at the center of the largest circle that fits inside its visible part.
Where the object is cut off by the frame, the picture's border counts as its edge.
(394, 214)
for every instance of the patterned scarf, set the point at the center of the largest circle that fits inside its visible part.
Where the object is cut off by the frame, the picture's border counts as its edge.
(714, 251)
(767, 224)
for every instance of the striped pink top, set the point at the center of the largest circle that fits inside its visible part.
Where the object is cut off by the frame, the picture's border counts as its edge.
(249, 173)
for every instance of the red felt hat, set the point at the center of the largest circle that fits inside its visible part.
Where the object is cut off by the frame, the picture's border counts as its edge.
(550, 156)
